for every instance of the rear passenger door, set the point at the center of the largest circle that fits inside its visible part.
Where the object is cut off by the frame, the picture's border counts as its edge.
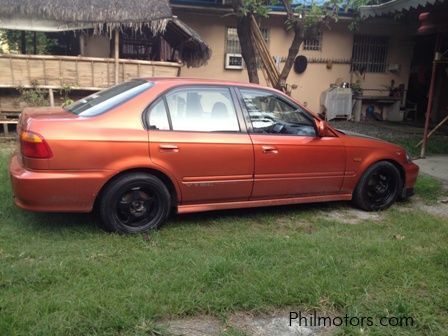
(197, 133)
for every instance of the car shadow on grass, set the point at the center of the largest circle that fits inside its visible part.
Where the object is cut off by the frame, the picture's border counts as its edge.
(257, 213)
(62, 222)
(89, 223)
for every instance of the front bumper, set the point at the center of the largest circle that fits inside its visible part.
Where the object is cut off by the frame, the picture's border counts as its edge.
(54, 191)
(407, 192)
(411, 173)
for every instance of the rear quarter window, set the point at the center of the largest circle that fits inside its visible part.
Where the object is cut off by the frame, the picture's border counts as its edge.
(105, 100)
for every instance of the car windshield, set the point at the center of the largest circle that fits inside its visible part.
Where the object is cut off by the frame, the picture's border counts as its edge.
(105, 100)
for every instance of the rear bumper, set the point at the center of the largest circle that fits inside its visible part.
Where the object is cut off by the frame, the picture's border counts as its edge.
(54, 191)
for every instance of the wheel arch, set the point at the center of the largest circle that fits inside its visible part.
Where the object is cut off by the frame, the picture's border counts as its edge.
(392, 161)
(400, 170)
(174, 191)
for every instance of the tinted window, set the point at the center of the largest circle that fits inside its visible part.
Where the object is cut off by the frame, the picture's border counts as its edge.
(158, 118)
(203, 110)
(105, 100)
(270, 114)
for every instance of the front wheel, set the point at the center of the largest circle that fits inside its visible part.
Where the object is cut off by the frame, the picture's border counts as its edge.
(134, 203)
(378, 188)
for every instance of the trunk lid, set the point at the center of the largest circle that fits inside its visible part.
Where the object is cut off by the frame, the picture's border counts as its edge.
(33, 115)
(30, 113)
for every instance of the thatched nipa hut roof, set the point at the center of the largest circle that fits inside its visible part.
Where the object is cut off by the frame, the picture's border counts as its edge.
(106, 15)
(99, 13)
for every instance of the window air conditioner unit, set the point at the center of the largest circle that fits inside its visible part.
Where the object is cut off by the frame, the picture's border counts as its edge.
(234, 61)
(227, 2)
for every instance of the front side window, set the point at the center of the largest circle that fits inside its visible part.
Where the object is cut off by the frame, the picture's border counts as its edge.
(270, 114)
(202, 110)
(106, 100)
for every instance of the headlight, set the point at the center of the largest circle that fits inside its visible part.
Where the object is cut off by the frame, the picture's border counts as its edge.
(408, 157)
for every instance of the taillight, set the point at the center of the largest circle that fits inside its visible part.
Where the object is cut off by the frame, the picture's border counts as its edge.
(34, 146)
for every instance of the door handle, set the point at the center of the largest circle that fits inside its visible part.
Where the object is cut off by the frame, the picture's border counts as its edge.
(169, 148)
(269, 149)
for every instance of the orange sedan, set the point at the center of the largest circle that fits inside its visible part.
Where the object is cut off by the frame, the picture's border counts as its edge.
(144, 148)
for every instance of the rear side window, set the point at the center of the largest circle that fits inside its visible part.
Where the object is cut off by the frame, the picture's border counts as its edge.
(158, 118)
(202, 110)
(105, 100)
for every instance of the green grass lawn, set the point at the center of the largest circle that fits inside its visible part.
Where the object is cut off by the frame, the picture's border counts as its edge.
(61, 275)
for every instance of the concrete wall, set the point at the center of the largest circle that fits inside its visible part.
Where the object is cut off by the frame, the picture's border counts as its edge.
(337, 43)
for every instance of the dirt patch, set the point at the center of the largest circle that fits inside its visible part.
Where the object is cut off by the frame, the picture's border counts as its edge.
(439, 208)
(276, 324)
(350, 215)
(195, 326)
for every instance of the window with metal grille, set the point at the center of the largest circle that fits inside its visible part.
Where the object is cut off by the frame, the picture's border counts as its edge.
(370, 53)
(233, 42)
(314, 44)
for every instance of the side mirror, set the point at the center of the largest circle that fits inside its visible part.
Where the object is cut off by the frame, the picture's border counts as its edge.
(321, 128)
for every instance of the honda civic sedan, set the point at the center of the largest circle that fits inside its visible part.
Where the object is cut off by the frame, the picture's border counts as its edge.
(148, 147)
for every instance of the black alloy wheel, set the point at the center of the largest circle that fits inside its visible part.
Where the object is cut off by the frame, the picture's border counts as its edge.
(379, 187)
(134, 203)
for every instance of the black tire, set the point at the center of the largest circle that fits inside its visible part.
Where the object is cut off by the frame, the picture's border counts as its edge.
(134, 203)
(378, 188)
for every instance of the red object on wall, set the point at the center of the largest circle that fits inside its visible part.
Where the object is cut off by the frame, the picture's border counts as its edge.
(431, 22)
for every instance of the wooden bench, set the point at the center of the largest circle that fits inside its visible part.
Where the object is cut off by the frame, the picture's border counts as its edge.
(6, 123)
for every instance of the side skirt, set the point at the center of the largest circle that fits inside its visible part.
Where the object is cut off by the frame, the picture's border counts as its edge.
(183, 209)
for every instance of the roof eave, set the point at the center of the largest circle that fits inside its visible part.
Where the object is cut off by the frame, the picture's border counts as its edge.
(393, 7)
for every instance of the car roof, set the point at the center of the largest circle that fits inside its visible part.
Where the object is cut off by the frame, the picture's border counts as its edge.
(186, 81)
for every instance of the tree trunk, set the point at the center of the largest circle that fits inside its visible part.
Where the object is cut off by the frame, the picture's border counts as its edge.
(247, 47)
(248, 52)
(292, 53)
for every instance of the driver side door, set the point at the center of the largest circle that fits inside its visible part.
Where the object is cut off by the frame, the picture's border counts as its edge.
(290, 158)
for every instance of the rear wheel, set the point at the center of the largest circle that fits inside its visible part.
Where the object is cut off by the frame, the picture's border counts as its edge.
(378, 188)
(134, 203)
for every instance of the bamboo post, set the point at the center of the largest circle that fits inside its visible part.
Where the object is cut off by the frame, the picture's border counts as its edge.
(92, 71)
(81, 45)
(51, 96)
(12, 71)
(433, 130)
(117, 54)
(430, 97)
(268, 63)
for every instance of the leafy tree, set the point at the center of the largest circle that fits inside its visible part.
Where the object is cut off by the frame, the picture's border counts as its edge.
(305, 20)
(33, 42)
